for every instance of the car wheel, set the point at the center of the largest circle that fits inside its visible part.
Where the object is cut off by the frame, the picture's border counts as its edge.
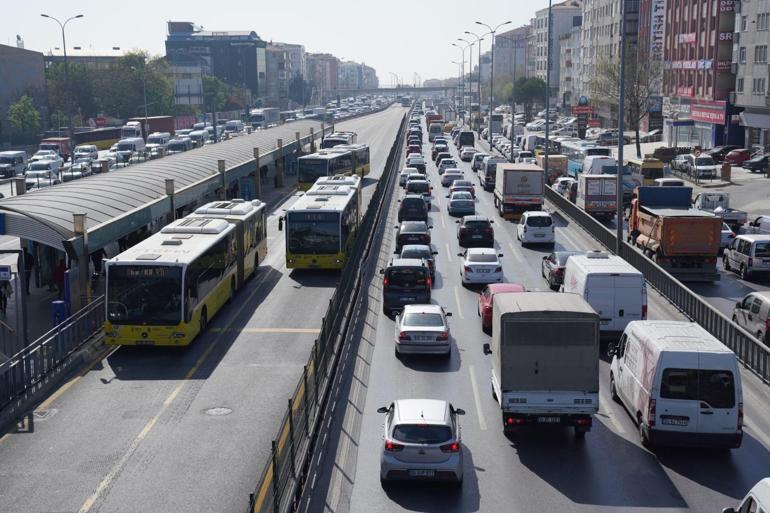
(744, 272)
(643, 435)
(613, 390)
(580, 433)
(725, 263)
(395, 351)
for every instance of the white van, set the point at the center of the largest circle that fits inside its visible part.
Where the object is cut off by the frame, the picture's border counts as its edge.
(435, 129)
(234, 127)
(612, 286)
(596, 164)
(681, 384)
(130, 146)
(12, 163)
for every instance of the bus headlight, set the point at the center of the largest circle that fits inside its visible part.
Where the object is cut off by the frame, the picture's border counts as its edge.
(177, 334)
(338, 261)
(291, 260)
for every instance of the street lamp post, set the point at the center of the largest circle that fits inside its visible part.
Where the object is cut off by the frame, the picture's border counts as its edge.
(621, 129)
(470, 69)
(479, 39)
(459, 77)
(66, 65)
(492, 70)
(548, 89)
(144, 94)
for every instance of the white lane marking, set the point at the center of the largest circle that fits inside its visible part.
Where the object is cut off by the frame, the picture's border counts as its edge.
(443, 223)
(564, 232)
(477, 399)
(448, 252)
(517, 255)
(457, 300)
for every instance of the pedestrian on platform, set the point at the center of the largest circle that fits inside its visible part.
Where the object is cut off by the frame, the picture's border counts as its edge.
(58, 277)
(29, 264)
(5, 292)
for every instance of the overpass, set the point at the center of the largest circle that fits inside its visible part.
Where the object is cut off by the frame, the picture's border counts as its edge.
(397, 90)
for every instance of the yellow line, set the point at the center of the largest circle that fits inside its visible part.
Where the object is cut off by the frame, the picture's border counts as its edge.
(263, 491)
(266, 330)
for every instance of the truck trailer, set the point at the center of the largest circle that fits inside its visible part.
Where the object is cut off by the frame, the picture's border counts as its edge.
(518, 188)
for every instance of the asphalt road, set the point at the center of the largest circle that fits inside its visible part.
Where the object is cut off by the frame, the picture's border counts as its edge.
(166, 430)
(533, 471)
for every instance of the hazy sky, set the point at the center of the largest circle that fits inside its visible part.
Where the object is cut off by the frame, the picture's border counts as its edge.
(402, 36)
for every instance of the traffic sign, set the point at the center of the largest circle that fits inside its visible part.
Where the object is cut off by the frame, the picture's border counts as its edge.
(5, 273)
(582, 109)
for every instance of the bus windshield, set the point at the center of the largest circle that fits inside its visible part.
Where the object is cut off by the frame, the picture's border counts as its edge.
(313, 233)
(311, 169)
(144, 295)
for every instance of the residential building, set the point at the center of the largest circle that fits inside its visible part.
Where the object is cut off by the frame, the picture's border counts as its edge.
(600, 42)
(235, 57)
(752, 82)
(370, 77)
(296, 64)
(564, 17)
(91, 58)
(277, 77)
(570, 79)
(698, 74)
(188, 83)
(652, 28)
(323, 71)
(511, 52)
(23, 72)
(350, 75)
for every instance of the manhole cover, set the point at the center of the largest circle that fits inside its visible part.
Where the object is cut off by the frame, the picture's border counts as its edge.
(218, 411)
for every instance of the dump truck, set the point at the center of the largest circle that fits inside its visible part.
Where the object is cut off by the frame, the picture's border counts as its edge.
(682, 240)
(541, 377)
(597, 195)
(718, 203)
(518, 188)
(557, 167)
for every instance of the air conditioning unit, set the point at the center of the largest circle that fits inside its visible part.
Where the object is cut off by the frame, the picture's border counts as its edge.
(732, 97)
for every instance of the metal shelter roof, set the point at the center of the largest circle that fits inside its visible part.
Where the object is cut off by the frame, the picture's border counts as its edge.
(124, 199)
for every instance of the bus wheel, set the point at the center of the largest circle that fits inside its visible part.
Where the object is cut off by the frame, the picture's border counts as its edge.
(204, 319)
(232, 288)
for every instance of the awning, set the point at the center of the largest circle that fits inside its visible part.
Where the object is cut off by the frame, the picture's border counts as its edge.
(755, 120)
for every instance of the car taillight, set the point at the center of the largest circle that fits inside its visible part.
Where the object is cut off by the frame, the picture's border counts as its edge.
(467, 269)
(558, 272)
(427, 282)
(525, 228)
(424, 237)
(651, 413)
(731, 236)
(385, 281)
(740, 415)
(644, 312)
(403, 335)
(453, 447)
(391, 446)
(444, 335)
(498, 269)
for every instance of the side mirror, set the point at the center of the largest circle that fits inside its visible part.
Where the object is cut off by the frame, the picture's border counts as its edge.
(447, 196)
(738, 305)
(383, 409)
(460, 254)
(612, 349)
(430, 227)
(500, 255)
(487, 349)
(396, 227)
(382, 271)
(491, 221)
(435, 252)
(459, 411)
(545, 257)
(448, 314)
(280, 224)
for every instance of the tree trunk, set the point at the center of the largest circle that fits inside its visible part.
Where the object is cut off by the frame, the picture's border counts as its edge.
(638, 144)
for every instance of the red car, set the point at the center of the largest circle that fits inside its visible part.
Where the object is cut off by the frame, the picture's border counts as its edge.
(413, 148)
(486, 297)
(738, 157)
(462, 185)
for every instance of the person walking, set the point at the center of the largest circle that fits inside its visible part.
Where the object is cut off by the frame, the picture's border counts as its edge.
(29, 264)
(58, 277)
(5, 293)
(96, 259)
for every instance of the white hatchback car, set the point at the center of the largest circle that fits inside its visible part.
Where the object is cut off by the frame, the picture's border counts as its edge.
(422, 329)
(467, 153)
(536, 227)
(481, 266)
(422, 441)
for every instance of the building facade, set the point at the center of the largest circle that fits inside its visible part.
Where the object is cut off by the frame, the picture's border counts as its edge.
(752, 83)
(651, 41)
(570, 78)
(511, 53)
(23, 72)
(236, 57)
(277, 77)
(323, 71)
(350, 75)
(91, 58)
(564, 17)
(371, 81)
(188, 83)
(699, 74)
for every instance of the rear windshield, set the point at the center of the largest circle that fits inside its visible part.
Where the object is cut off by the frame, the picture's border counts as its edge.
(416, 253)
(762, 249)
(475, 225)
(412, 203)
(462, 183)
(482, 257)
(407, 277)
(418, 186)
(539, 221)
(422, 433)
(704, 161)
(714, 387)
(423, 320)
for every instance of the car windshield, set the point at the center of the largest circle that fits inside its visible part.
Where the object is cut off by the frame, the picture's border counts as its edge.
(422, 433)
(418, 186)
(416, 160)
(462, 195)
(144, 294)
(315, 233)
(462, 183)
(539, 221)
(762, 250)
(704, 161)
(714, 387)
(416, 253)
(423, 320)
(476, 225)
(413, 226)
(482, 257)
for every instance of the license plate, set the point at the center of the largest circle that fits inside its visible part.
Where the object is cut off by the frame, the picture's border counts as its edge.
(422, 473)
(476, 236)
(675, 421)
(605, 321)
(424, 338)
(482, 270)
(408, 299)
(549, 420)
(145, 342)
(539, 235)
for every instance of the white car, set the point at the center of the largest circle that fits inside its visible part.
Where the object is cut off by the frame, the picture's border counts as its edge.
(446, 164)
(87, 151)
(536, 227)
(46, 155)
(727, 236)
(562, 184)
(467, 153)
(450, 176)
(481, 265)
(422, 329)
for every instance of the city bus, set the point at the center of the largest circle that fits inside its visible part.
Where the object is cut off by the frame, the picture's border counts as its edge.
(361, 157)
(164, 290)
(649, 169)
(577, 151)
(250, 220)
(337, 138)
(323, 163)
(322, 225)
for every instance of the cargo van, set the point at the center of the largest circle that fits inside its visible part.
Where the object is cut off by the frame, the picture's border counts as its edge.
(748, 255)
(129, 146)
(680, 384)
(488, 171)
(465, 138)
(612, 286)
(435, 129)
(12, 163)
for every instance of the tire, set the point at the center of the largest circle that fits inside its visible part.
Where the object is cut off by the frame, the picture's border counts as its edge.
(643, 437)
(613, 390)
(204, 321)
(580, 434)
(395, 352)
(457, 483)
(744, 273)
(726, 263)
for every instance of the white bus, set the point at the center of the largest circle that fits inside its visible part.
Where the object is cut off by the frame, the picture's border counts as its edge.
(335, 138)
(164, 290)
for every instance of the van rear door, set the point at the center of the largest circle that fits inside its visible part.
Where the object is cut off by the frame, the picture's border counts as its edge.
(600, 295)
(627, 291)
(719, 393)
(677, 408)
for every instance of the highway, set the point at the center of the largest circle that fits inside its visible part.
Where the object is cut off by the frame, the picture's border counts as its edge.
(164, 429)
(531, 471)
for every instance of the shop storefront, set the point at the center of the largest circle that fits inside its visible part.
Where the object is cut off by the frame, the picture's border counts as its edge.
(757, 128)
(700, 123)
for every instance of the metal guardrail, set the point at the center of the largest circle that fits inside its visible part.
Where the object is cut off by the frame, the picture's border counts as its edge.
(751, 351)
(279, 487)
(22, 372)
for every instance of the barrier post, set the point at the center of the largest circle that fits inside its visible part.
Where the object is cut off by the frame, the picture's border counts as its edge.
(171, 216)
(79, 228)
(221, 168)
(279, 166)
(312, 140)
(257, 178)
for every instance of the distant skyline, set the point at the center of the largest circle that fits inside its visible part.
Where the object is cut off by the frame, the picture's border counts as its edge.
(397, 36)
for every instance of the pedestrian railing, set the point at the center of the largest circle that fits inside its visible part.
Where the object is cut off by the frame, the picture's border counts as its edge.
(21, 373)
(280, 485)
(754, 354)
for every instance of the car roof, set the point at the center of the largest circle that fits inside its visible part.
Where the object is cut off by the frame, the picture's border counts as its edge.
(482, 251)
(406, 262)
(751, 237)
(475, 218)
(416, 247)
(537, 213)
(680, 336)
(423, 309)
(430, 411)
(498, 288)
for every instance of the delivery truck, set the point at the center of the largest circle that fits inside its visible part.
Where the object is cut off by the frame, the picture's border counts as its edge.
(597, 195)
(154, 124)
(540, 377)
(518, 188)
(718, 203)
(682, 240)
(557, 167)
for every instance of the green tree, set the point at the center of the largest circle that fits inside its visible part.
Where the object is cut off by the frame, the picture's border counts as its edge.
(24, 119)
(643, 79)
(215, 92)
(81, 95)
(300, 90)
(528, 92)
(122, 88)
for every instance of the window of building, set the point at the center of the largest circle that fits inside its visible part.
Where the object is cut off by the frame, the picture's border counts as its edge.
(763, 21)
(739, 85)
(742, 55)
(744, 21)
(759, 86)
(760, 54)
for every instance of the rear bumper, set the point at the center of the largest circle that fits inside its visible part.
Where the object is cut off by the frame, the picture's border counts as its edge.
(682, 439)
(578, 420)
(422, 348)
(450, 469)
(482, 278)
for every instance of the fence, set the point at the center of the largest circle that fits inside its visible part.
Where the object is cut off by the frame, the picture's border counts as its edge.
(752, 352)
(24, 371)
(280, 484)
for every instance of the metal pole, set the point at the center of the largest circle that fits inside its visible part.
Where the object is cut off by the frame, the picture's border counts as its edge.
(67, 80)
(79, 222)
(146, 130)
(221, 168)
(257, 176)
(170, 193)
(621, 129)
(491, 85)
(548, 89)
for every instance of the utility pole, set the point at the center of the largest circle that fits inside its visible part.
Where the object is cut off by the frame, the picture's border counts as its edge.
(621, 129)
(66, 67)
(548, 89)
(492, 71)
